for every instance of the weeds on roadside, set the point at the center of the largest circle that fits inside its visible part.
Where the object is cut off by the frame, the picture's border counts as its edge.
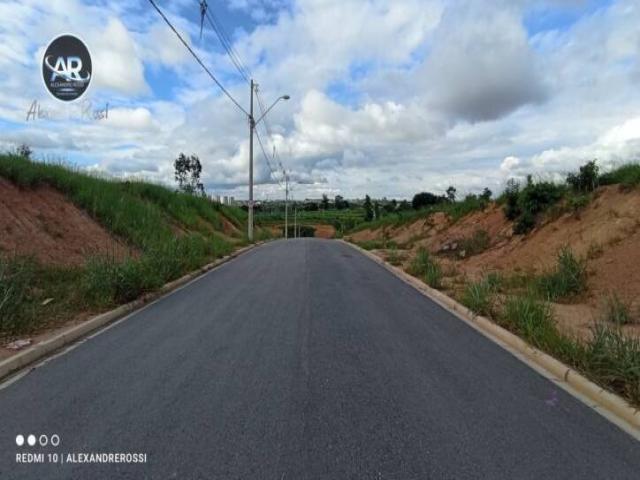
(426, 267)
(479, 296)
(567, 279)
(16, 274)
(613, 359)
(533, 319)
(617, 311)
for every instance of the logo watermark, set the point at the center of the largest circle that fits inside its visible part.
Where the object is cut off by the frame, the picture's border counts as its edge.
(67, 68)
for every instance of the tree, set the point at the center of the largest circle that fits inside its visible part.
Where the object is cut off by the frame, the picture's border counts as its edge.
(451, 193)
(586, 180)
(24, 150)
(426, 199)
(340, 203)
(512, 208)
(187, 174)
(325, 201)
(376, 210)
(368, 209)
(486, 194)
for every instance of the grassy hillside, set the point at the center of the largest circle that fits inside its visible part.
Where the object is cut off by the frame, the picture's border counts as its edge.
(169, 233)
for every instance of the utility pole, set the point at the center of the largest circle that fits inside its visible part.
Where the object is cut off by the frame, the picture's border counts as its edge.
(295, 221)
(252, 125)
(286, 205)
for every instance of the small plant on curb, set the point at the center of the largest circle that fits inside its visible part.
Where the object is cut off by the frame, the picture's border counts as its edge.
(568, 279)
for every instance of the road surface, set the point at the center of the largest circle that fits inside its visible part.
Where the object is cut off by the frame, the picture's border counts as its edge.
(303, 360)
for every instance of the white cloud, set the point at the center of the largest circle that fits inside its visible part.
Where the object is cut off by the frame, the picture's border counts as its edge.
(388, 98)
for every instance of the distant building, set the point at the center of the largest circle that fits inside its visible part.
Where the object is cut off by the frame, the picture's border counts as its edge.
(231, 200)
(218, 198)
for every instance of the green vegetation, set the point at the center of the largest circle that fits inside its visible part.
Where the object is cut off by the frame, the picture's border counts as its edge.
(586, 180)
(144, 215)
(477, 243)
(567, 279)
(426, 267)
(613, 360)
(16, 274)
(627, 175)
(479, 296)
(617, 311)
(524, 204)
(532, 319)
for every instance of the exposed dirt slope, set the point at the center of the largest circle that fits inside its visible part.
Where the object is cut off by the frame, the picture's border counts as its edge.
(43, 223)
(606, 233)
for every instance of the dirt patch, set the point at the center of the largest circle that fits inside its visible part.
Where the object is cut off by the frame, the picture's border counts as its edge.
(606, 233)
(324, 231)
(41, 222)
(228, 228)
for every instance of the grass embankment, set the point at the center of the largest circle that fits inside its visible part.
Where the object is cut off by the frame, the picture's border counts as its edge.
(145, 216)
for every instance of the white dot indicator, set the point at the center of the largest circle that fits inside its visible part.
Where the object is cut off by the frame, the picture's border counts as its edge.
(20, 440)
(31, 440)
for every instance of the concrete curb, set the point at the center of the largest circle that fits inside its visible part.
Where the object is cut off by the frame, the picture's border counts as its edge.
(613, 407)
(72, 334)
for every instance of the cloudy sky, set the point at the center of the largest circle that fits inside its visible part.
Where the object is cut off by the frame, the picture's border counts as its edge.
(387, 97)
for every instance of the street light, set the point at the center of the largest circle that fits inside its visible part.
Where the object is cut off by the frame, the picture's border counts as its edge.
(252, 126)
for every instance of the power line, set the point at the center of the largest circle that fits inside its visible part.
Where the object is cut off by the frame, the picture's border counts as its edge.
(276, 156)
(222, 35)
(266, 157)
(153, 3)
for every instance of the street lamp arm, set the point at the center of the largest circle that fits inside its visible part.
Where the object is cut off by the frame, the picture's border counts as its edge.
(283, 97)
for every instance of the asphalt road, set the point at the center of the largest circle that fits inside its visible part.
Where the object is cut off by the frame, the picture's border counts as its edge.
(304, 360)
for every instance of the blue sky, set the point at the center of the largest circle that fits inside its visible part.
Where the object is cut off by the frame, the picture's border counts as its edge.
(388, 98)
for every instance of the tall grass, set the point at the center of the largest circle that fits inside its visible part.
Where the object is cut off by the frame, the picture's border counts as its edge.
(173, 233)
(479, 296)
(567, 279)
(16, 274)
(627, 175)
(426, 267)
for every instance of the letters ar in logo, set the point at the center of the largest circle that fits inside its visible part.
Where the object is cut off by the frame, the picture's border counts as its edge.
(66, 68)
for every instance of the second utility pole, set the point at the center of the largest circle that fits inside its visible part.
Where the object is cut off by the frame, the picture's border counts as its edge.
(286, 205)
(252, 125)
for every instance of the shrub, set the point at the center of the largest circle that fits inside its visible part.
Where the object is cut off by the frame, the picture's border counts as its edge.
(535, 198)
(523, 205)
(616, 311)
(524, 224)
(512, 208)
(575, 203)
(568, 278)
(477, 243)
(586, 180)
(626, 175)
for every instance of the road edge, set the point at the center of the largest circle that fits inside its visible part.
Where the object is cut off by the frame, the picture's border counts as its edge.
(74, 333)
(611, 406)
